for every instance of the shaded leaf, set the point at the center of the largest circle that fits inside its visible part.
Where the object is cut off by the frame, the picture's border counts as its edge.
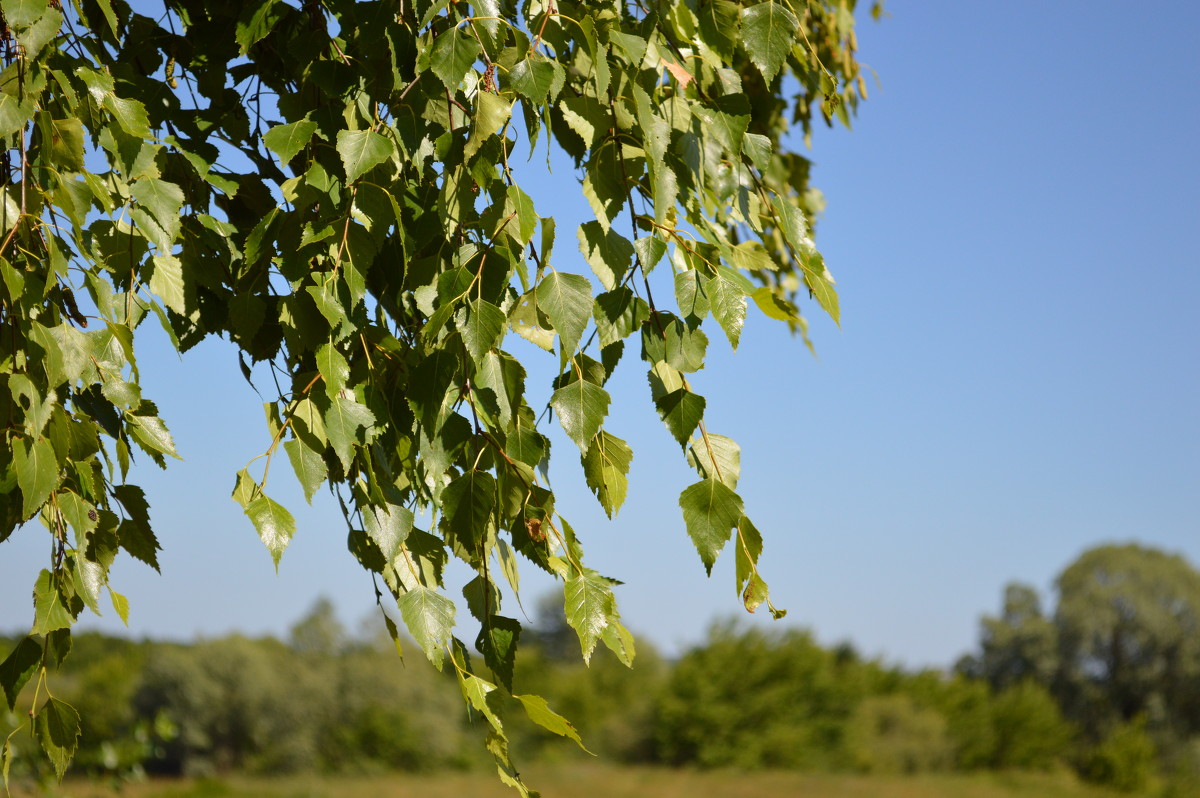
(57, 725)
(618, 313)
(719, 26)
(681, 411)
(606, 469)
(163, 200)
(17, 667)
(497, 641)
(606, 251)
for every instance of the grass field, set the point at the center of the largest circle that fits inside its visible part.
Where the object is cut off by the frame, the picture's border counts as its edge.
(605, 782)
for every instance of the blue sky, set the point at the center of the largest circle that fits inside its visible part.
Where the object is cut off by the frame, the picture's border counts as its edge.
(1016, 378)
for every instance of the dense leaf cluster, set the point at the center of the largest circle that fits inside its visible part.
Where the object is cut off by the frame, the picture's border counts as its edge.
(333, 186)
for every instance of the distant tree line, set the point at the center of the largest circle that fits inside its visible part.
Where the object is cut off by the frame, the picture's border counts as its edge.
(1108, 684)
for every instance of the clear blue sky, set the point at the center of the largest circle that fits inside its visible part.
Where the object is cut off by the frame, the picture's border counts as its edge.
(1017, 377)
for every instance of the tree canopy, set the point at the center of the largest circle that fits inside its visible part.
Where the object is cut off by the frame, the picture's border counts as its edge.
(1120, 654)
(335, 187)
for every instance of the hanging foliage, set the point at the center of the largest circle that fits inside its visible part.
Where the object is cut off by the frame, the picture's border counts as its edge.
(336, 188)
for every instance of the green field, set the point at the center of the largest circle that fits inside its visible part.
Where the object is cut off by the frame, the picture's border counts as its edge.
(607, 782)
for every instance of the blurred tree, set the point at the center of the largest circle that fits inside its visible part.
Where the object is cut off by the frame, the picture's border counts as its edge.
(1018, 645)
(1029, 730)
(895, 734)
(1128, 623)
(320, 631)
(755, 699)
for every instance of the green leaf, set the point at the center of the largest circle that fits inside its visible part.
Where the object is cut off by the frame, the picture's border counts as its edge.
(361, 151)
(728, 307)
(257, 21)
(151, 433)
(135, 533)
(719, 27)
(162, 199)
(167, 282)
(37, 473)
(6, 761)
(606, 469)
(483, 330)
(524, 320)
(676, 344)
(476, 691)
(497, 641)
(467, 504)
(540, 713)
(109, 16)
(726, 128)
(334, 369)
(23, 13)
(344, 418)
(581, 408)
(130, 115)
(691, 292)
(749, 548)
(274, 523)
(716, 457)
(287, 140)
(710, 512)
(533, 77)
(650, 250)
(618, 313)
(429, 617)
(49, 612)
(57, 725)
(816, 275)
(768, 33)
(120, 605)
(519, 203)
(388, 528)
(452, 55)
(309, 466)
(491, 112)
(774, 306)
(17, 667)
(14, 115)
(567, 300)
(606, 251)
(67, 147)
(589, 606)
(88, 578)
(681, 410)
